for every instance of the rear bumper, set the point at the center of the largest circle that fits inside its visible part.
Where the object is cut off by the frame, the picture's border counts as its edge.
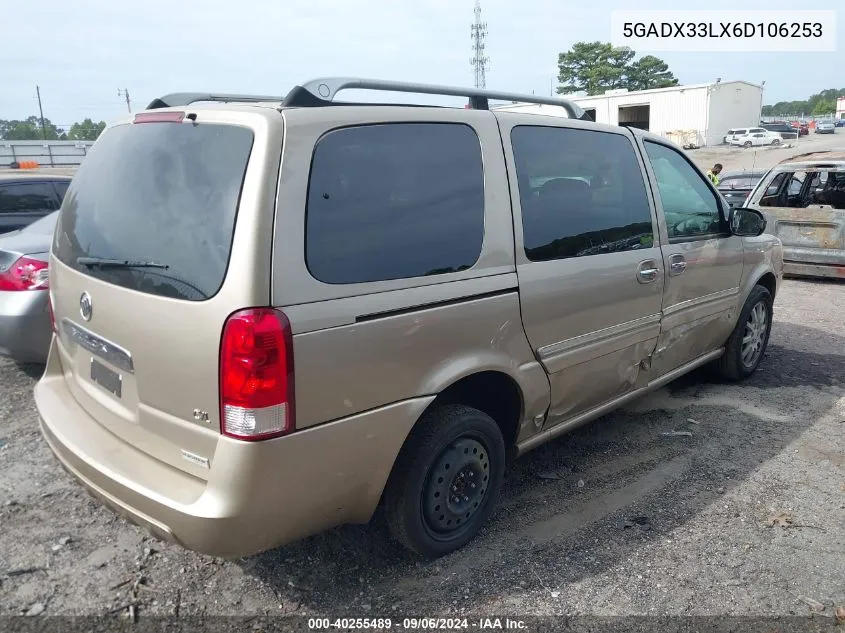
(258, 495)
(801, 269)
(25, 325)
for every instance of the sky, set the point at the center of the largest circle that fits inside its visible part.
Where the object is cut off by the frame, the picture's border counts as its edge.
(80, 53)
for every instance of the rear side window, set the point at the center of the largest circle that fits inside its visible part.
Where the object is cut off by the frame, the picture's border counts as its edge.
(161, 196)
(394, 201)
(27, 196)
(581, 192)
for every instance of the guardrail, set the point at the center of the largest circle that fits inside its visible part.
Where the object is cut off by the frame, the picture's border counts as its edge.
(45, 153)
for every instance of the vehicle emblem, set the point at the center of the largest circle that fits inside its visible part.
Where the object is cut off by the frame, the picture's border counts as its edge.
(86, 308)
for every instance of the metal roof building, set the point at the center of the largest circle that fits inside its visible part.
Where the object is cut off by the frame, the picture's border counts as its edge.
(699, 114)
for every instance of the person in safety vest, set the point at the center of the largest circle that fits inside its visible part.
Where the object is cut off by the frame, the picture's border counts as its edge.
(713, 174)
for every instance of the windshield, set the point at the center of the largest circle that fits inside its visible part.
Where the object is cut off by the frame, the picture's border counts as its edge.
(160, 192)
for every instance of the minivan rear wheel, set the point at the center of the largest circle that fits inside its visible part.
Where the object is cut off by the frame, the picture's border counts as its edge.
(748, 342)
(446, 480)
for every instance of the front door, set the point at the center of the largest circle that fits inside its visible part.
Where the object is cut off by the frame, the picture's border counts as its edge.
(703, 260)
(589, 266)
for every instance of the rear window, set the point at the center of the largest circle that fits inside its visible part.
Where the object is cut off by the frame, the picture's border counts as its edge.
(738, 182)
(161, 196)
(394, 201)
(27, 196)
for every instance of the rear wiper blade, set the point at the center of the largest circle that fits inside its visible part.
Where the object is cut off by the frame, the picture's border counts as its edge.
(102, 262)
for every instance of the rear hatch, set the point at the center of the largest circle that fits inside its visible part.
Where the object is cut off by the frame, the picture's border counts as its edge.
(143, 274)
(812, 234)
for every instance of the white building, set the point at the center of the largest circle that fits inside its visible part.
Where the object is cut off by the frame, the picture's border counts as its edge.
(700, 114)
(840, 108)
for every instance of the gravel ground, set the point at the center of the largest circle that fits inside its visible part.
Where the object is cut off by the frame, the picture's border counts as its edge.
(614, 519)
(764, 157)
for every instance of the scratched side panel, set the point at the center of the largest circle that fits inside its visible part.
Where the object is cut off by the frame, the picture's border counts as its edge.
(813, 235)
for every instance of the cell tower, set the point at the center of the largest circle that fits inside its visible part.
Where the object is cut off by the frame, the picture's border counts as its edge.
(479, 60)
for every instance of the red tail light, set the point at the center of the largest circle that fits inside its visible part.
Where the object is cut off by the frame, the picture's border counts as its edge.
(25, 274)
(256, 375)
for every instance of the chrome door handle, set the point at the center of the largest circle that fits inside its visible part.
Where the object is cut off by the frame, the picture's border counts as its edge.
(677, 265)
(647, 271)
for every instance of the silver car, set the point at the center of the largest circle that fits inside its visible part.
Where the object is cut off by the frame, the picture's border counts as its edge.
(24, 313)
(825, 127)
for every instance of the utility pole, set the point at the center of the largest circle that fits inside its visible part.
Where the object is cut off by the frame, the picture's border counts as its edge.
(41, 111)
(125, 93)
(479, 60)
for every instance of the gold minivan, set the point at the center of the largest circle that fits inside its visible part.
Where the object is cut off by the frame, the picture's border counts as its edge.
(274, 315)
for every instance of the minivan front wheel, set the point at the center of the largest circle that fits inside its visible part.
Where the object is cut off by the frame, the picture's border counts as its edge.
(747, 343)
(446, 480)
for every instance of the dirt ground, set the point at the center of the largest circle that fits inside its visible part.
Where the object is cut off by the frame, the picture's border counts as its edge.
(764, 157)
(615, 518)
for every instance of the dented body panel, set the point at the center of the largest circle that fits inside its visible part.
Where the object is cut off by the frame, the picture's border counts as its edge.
(575, 337)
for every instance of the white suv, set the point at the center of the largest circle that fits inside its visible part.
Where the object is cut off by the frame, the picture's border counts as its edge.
(735, 133)
(756, 136)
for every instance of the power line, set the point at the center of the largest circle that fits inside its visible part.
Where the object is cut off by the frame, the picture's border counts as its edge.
(479, 61)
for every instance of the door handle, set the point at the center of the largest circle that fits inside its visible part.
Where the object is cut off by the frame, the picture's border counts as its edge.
(677, 265)
(647, 271)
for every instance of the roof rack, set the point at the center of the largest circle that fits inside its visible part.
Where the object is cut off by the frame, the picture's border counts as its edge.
(322, 92)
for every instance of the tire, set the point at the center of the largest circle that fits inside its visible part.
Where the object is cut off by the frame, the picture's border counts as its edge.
(747, 144)
(776, 141)
(426, 471)
(735, 364)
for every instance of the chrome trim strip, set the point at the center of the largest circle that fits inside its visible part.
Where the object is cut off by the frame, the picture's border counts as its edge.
(698, 301)
(599, 336)
(108, 351)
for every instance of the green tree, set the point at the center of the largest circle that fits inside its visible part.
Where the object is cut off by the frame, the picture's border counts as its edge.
(824, 106)
(29, 130)
(650, 72)
(87, 130)
(595, 67)
(807, 106)
(592, 67)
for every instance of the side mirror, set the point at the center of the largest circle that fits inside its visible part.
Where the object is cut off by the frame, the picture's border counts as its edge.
(746, 222)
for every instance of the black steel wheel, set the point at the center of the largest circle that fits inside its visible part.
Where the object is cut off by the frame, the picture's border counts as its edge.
(446, 480)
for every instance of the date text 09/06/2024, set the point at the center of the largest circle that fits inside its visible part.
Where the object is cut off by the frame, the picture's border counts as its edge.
(411, 624)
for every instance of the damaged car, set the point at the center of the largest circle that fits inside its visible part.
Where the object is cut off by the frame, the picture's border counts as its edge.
(275, 318)
(803, 200)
